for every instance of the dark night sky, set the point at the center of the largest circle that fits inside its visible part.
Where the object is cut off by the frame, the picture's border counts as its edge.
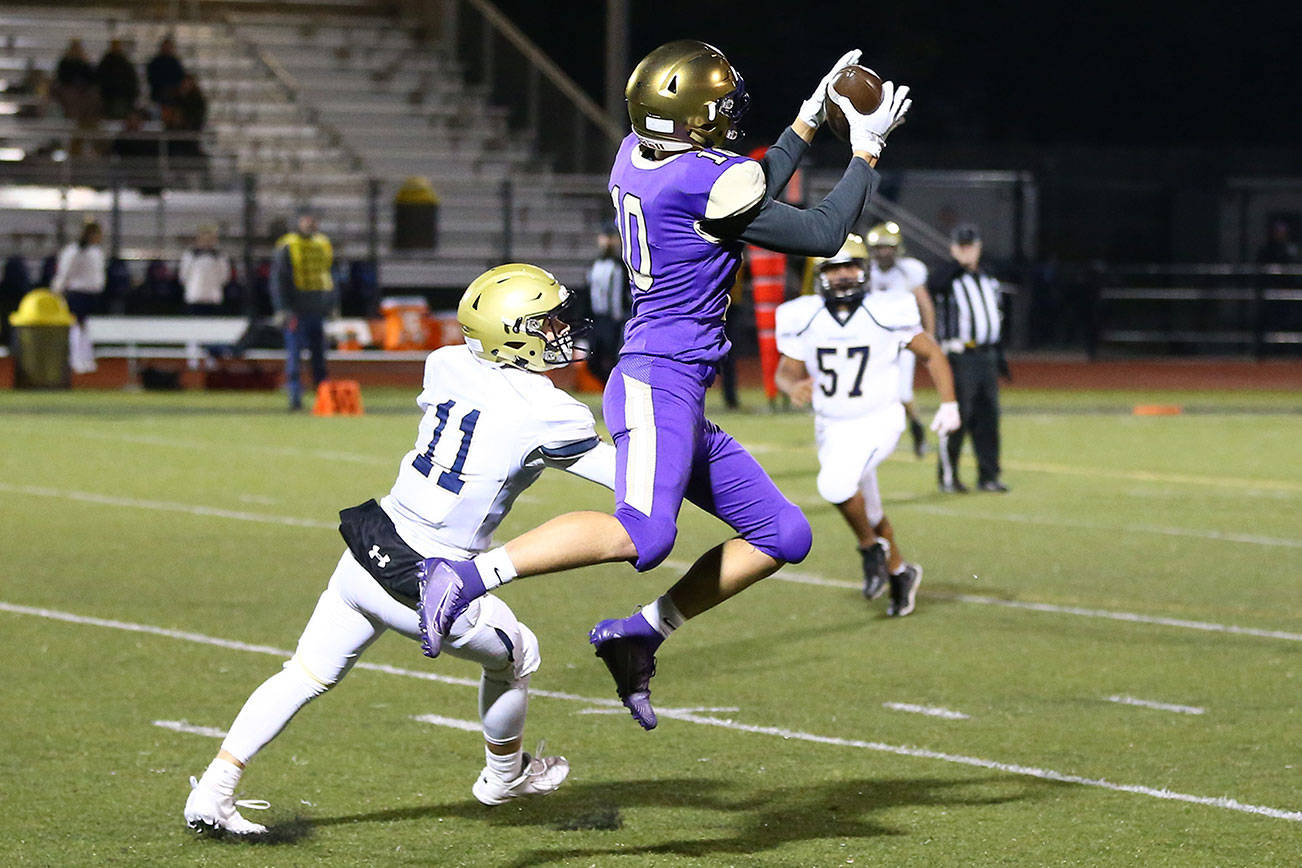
(1114, 73)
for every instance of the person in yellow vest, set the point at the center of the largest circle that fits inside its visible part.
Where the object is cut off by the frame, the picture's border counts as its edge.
(302, 292)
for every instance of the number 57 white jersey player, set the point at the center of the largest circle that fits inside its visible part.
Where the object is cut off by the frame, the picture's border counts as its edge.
(490, 426)
(841, 350)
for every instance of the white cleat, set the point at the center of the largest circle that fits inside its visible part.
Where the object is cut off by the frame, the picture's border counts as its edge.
(538, 777)
(209, 812)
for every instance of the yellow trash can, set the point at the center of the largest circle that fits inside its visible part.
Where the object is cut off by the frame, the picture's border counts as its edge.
(39, 341)
(416, 216)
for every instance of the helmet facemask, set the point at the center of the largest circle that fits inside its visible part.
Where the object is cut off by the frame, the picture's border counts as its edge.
(843, 292)
(731, 107)
(556, 329)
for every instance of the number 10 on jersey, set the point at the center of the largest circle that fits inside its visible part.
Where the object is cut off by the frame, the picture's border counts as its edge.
(632, 225)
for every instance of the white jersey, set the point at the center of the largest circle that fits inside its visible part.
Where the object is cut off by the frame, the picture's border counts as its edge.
(855, 364)
(485, 436)
(906, 274)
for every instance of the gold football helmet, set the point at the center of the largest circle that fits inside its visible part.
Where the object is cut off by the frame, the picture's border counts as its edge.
(685, 95)
(520, 315)
(844, 290)
(885, 235)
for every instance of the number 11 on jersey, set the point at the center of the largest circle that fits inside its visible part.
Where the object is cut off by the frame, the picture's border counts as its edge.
(449, 479)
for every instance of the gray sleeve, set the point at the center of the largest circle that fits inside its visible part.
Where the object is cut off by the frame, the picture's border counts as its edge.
(817, 231)
(781, 159)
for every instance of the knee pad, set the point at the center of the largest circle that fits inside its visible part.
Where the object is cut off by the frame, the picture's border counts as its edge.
(306, 682)
(787, 537)
(835, 485)
(652, 536)
(495, 639)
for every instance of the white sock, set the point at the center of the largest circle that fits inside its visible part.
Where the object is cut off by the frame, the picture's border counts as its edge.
(505, 766)
(502, 709)
(663, 615)
(221, 776)
(495, 568)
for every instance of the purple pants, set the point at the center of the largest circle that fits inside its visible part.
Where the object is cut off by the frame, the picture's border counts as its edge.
(666, 450)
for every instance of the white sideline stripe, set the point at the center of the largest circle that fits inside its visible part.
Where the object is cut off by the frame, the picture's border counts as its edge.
(166, 506)
(785, 575)
(450, 722)
(182, 726)
(928, 710)
(800, 578)
(688, 717)
(621, 710)
(1160, 706)
(1010, 768)
(1225, 536)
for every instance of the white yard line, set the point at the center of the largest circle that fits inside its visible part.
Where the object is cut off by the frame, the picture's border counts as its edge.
(1161, 530)
(930, 711)
(785, 575)
(724, 723)
(182, 726)
(802, 578)
(1160, 706)
(449, 722)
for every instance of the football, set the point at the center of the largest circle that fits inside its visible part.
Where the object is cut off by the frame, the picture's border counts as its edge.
(862, 86)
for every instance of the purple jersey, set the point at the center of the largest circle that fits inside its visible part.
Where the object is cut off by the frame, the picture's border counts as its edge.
(681, 275)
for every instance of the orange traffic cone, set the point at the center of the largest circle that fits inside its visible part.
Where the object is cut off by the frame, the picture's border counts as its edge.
(338, 398)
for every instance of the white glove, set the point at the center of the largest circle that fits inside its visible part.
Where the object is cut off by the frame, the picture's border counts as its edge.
(812, 110)
(869, 132)
(947, 420)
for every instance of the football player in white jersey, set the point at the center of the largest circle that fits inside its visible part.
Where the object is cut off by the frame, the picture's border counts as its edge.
(491, 424)
(890, 271)
(841, 350)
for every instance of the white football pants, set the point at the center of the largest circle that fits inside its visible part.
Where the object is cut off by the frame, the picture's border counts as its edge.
(353, 612)
(849, 451)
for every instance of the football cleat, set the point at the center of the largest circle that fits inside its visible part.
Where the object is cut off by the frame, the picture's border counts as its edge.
(447, 588)
(209, 813)
(904, 590)
(993, 485)
(538, 777)
(874, 570)
(628, 648)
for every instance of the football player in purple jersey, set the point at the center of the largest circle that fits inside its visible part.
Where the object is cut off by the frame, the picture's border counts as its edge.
(685, 208)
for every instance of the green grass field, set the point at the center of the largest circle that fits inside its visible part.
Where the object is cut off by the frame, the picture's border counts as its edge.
(1153, 558)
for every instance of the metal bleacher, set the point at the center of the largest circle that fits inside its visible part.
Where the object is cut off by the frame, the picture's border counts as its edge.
(331, 108)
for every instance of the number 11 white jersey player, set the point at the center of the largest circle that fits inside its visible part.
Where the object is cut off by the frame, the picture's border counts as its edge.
(841, 350)
(491, 424)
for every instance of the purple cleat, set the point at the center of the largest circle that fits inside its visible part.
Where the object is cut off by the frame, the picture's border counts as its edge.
(447, 587)
(628, 648)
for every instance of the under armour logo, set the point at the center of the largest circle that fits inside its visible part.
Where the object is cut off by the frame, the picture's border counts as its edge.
(382, 560)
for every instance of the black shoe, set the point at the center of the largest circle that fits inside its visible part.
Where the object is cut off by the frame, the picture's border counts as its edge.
(874, 570)
(954, 487)
(993, 485)
(904, 589)
(919, 435)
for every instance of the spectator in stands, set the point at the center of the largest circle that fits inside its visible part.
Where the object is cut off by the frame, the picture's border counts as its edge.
(164, 72)
(607, 288)
(76, 88)
(303, 296)
(35, 88)
(119, 84)
(79, 278)
(1280, 248)
(204, 272)
(187, 113)
(15, 282)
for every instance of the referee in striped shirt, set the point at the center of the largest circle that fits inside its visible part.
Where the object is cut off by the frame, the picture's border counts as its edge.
(969, 328)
